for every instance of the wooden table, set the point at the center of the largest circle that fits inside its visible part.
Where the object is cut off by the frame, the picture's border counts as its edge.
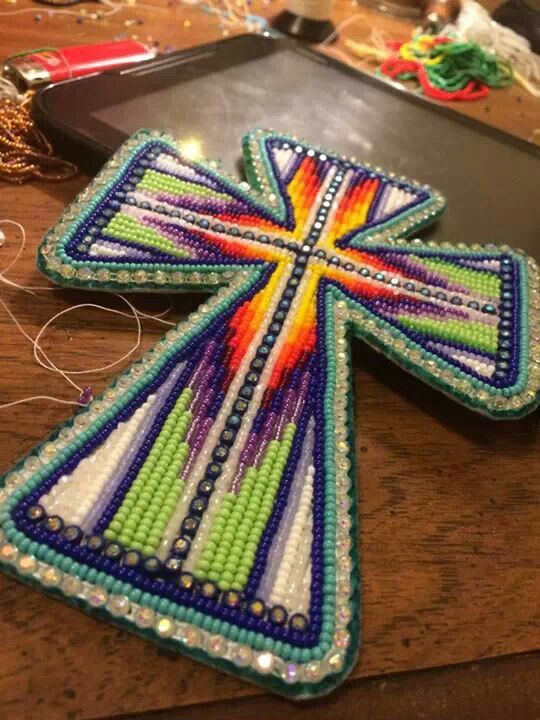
(449, 512)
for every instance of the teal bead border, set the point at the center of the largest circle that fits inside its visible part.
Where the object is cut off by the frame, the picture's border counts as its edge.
(299, 691)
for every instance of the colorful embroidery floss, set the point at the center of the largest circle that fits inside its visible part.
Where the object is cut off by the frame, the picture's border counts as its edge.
(444, 67)
(448, 69)
(207, 499)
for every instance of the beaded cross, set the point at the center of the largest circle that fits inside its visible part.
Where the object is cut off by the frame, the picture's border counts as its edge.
(207, 499)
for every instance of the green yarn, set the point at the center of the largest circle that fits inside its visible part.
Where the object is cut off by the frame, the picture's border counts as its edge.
(466, 61)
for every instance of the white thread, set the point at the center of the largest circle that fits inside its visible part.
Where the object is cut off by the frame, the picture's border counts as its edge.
(39, 353)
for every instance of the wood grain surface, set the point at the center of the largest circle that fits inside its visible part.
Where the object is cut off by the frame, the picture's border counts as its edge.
(448, 500)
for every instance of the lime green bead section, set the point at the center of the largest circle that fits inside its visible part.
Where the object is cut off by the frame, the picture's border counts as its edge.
(262, 503)
(229, 553)
(213, 557)
(157, 182)
(480, 282)
(125, 227)
(143, 516)
(483, 337)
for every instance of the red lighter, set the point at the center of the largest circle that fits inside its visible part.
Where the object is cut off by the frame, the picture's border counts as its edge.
(39, 67)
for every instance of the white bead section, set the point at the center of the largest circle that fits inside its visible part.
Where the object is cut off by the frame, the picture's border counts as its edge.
(75, 495)
(280, 538)
(283, 158)
(171, 165)
(482, 368)
(109, 249)
(298, 599)
(297, 552)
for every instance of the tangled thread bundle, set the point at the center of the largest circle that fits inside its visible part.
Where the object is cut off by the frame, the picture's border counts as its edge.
(447, 69)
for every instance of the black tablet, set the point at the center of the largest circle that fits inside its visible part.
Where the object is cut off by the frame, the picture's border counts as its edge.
(209, 96)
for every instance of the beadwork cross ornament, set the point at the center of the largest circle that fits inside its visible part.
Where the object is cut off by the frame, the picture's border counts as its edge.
(207, 499)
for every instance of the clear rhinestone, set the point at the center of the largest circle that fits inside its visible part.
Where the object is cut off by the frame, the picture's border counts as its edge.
(144, 617)
(32, 463)
(8, 552)
(165, 627)
(27, 564)
(342, 639)
(290, 673)
(13, 479)
(66, 433)
(71, 585)
(119, 605)
(51, 577)
(67, 271)
(103, 274)
(313, 670)
(344, 614)
(264, 662)
(217, 645)
(96, 596)
(47, 451)
(343, 464)
(241, 656)
(85, 274)
(191, 636)
(344, 545)
(335, 662)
